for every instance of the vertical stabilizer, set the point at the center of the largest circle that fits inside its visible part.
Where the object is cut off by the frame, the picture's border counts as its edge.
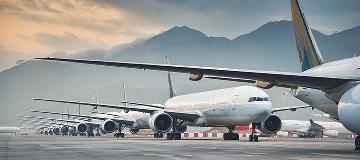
(309, 52)
(96, 101)
(125, 97)
(172, 92)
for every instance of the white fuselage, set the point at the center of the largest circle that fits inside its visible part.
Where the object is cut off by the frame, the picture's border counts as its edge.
(225, 107)
(9, 129)
(342, 102)
(330, 128)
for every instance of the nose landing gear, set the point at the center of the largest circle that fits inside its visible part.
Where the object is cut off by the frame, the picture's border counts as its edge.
(231, 135)
(253, 137)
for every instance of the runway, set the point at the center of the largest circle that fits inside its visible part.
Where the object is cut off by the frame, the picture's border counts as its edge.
(74, 148)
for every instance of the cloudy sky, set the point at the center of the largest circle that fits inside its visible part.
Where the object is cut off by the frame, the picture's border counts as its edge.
(41, 27)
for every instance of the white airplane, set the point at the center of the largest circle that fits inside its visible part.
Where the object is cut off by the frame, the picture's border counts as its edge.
(336, 84)
(310, 129)
(226, 108)
(8, 129)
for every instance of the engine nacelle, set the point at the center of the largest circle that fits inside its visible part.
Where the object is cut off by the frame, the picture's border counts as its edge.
(271, 125)
(56, 130)
(195, 77)
(331, 133)
(108, 126)
(349, 109)
(263, 84)
(64, 129)
(81, 127)
(160, 122)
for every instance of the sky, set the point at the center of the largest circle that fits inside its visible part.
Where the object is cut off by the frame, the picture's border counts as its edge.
(32, 28)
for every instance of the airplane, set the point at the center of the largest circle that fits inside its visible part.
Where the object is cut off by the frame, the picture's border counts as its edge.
(333, 86)
(9, 129)
(228, 107)
(309, 129)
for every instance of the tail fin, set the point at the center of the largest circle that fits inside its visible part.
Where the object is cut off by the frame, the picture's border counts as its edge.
(172, 92)
(309, 52)
(125, 97)
(96, 101)
(124, 89)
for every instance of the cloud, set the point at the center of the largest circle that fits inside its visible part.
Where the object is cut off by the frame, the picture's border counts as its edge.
(66, 42)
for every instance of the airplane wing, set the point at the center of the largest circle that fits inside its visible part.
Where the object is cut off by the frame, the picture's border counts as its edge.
(122, 121)
(286, 78)
(114, 106)
(143, 104)
(278, 84)
(183, 115)
(294, 108)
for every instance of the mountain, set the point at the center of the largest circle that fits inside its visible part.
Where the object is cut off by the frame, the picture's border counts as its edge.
(270, 47)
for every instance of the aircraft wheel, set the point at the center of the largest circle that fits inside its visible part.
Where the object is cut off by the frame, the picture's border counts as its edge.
(251, 138)
(169, 136)
(235, 136)
(97, 134)
(357, 143)
(256, 138)
(122, 135)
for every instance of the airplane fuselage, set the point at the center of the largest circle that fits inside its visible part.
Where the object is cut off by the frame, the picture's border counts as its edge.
(225, 107)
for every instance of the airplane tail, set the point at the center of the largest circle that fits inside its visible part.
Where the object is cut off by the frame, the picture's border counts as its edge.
(172, 92)
(309, 52)
(95, 100)
(125, 97)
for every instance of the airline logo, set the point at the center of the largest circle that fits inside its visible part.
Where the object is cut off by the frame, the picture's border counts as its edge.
(309, 52)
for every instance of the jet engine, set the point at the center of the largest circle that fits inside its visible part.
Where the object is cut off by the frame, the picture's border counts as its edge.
(195, 77)
(108, 126)
(271, 125)
(81, 127)
(160, 122)
(349, 109)
(331, 133)
(56, 130)
(64, 129)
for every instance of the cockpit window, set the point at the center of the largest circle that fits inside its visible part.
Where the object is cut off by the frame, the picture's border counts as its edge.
(252, 99)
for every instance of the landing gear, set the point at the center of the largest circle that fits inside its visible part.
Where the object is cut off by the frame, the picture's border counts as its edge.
(253, 137)
(357, 143)
(174, 134)
(158, 135)
(97, 132)
(90, 134)
(82, 134)
(119, 133)
(231, 135)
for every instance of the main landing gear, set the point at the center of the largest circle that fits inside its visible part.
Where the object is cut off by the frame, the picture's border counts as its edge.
(231, 135)
(253, 137)
(357, 143)
(174, 134)
(119, 133)
(158, 135)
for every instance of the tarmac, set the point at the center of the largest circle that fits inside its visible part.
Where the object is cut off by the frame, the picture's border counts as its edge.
(38, 147)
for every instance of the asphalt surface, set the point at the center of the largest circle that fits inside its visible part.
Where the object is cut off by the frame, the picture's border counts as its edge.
(74, 148)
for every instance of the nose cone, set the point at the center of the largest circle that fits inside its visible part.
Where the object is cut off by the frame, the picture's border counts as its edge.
(260, 111)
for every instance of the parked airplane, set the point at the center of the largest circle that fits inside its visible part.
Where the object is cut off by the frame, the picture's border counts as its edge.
(309, 129)
(227, 108)
(336, 84)
(9, 129)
